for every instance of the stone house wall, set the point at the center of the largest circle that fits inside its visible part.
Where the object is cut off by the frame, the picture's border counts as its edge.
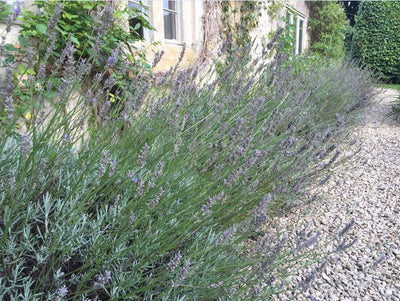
(196, 27)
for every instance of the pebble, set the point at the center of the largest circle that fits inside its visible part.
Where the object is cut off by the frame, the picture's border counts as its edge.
(366, 188)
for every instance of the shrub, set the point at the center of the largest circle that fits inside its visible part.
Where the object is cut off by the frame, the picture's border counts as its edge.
(172, 193)
(328, 25)
(377, 37)
(95, 30)
(79, 21)
(396, 109)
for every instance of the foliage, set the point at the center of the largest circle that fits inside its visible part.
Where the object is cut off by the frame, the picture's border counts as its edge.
(94, 34)
(5, 10)
(78, 21)
(328, 25)
(376, 39)
(396, 109)
(239, 31)
(175, 192)
(164, 208)
(396, 103)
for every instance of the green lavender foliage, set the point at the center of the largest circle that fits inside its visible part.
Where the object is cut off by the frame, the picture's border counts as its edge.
(170, 193)
(396, 109)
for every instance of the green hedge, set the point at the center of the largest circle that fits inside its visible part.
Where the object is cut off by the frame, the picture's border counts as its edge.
(377, 37)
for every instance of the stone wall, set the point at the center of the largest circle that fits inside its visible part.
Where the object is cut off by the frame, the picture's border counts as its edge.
(190, 30)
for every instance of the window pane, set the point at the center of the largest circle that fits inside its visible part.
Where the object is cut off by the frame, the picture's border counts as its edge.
(301, 28)
(171, 5)
(169, 25)
(139, 4)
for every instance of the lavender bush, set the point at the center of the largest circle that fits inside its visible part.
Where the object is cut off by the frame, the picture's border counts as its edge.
(396, 109)
(168, 193)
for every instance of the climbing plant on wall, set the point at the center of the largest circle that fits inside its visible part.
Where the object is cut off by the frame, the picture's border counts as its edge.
(238, 21)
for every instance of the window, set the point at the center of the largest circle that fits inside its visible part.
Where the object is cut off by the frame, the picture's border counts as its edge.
(300, 35)
(296, 21)
(136, 21)
(170, 18)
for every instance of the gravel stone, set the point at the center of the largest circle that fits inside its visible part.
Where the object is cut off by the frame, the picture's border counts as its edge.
(364, 187)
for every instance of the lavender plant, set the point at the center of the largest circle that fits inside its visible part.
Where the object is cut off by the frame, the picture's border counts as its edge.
(396, 109)
(170, 194)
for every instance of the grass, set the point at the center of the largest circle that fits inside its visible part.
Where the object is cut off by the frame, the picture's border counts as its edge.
(390, 86)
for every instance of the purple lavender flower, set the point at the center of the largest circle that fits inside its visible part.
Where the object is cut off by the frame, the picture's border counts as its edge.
(308, 243)
(135, 180)
(159, 169)
(139, 190)
(103, 280)
(215, 285)
(26, 144)
(113, 166)
(62, 291)
(211, 201)
(143, 155)
(156, 199)
(184, 270)
(226, 235)
(174, 262)
(65, 138)
(112, 60)
(260, 212)
(17, 10)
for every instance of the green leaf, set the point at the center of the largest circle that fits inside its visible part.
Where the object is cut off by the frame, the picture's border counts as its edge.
(41, 28)
(9, 60)
(75, 40)
(50, 94)
(10, 47)
(137, 26)
(61, 31)
(23, 41)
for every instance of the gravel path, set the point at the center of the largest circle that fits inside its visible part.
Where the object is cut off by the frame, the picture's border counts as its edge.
(366, 189)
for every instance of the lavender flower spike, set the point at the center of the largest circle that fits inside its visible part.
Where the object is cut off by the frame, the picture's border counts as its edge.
(226, 235)
(113, 58)
(17, 10)
(174, 262)
(143, 155)
(103, 280)
(26, 144)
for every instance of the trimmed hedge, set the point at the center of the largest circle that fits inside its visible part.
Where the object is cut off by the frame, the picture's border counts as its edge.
(377, 38)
